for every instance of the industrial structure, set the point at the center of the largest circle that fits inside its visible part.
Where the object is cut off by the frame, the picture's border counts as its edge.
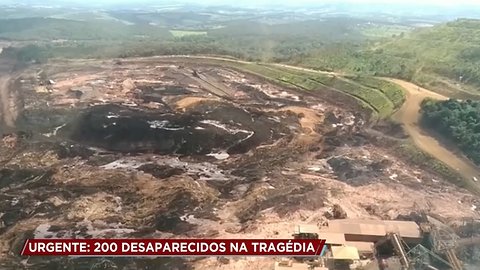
(379, 245)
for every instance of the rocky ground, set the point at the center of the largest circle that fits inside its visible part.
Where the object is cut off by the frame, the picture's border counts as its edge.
(154, 148)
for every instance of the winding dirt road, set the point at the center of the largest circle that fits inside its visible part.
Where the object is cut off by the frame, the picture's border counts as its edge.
(408, 115)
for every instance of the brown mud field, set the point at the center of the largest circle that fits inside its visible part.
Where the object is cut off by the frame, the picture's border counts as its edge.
(161, 148)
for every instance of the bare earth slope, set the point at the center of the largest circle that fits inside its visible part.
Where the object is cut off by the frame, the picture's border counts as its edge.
(160, 147)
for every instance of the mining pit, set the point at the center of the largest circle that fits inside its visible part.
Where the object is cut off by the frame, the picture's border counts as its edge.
(158, 147)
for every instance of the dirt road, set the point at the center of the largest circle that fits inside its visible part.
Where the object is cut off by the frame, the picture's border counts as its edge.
(409, 115)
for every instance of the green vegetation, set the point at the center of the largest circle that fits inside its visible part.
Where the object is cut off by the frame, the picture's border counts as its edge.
(185, 19)
(376, 98)
(46, 29)
(394, 92)
(372, 98)
(143, 34)
(183, 33)
(29, 53)
(385, 30)
(458, 121)
(150, 35)
(359, 59)
(439, 57)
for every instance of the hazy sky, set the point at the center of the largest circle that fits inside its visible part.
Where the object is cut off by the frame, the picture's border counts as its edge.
(413, 2)
(436, 2)
(285, 2)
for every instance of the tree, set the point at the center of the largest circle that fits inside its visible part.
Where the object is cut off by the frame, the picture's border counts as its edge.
(458, 121)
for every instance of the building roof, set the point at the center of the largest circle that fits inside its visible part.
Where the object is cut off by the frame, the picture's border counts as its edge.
(357, 228)
(345, 253)
(306, 228)
(295, 266)
(363, 247)
(333, 238)
(406, 229)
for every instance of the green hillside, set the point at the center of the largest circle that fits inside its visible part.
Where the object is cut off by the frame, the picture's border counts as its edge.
(440, 57)
(246, 39)
(445, 58)
(52, 29)
(451, 50)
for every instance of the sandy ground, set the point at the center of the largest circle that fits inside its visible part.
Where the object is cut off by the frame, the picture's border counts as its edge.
(309, 120)
(70, 82)
(187, 102)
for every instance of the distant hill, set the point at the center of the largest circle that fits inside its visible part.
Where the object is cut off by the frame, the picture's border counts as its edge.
(445, 57)
(52, 29)
(442, 57)
(451, 50)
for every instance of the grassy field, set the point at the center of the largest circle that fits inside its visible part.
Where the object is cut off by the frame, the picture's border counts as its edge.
(375, 96)
(392, 91)
(183, 33)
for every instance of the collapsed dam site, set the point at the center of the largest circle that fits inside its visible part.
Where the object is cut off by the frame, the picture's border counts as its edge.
(181, 147)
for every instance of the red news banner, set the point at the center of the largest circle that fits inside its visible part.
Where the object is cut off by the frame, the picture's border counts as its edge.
(173, 247)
